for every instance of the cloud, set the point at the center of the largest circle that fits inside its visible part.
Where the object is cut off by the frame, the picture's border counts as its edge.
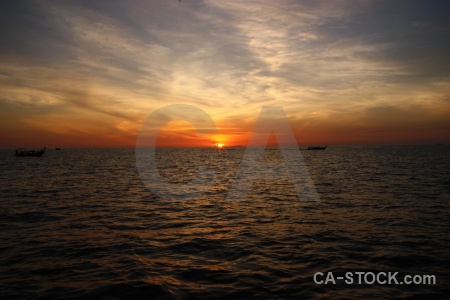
(339, 62)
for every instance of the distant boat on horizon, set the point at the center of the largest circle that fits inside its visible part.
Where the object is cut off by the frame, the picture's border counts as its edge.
(317, 147)
(21, 152)
(57, 148)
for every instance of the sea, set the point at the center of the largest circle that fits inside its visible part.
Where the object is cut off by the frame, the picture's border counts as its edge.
(81, 224)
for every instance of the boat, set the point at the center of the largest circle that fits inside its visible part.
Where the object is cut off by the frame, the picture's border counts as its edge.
(57, 148)
(21, 152)
(317, 147)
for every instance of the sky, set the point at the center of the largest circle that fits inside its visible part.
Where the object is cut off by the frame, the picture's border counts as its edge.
(89, 73)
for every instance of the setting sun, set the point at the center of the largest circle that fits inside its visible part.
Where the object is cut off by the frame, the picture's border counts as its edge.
(102, 82)
(219, 145)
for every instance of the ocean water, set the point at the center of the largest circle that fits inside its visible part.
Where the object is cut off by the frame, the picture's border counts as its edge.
(80, 223)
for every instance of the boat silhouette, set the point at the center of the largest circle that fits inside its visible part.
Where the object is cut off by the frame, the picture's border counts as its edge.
(21, 152)
(317, 147)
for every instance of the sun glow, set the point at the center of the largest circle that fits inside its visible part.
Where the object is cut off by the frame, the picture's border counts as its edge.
(219, 145)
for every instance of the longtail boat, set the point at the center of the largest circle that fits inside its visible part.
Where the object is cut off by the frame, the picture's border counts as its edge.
(21, 152)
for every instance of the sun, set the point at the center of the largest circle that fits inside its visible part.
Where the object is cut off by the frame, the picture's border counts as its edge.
(219, 145)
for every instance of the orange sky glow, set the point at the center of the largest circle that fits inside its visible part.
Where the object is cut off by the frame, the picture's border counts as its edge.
(347, 73)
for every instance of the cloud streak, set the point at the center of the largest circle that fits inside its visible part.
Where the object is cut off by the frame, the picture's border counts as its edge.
(341, 65)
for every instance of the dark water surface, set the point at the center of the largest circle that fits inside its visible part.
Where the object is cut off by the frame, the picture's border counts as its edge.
(81, 224)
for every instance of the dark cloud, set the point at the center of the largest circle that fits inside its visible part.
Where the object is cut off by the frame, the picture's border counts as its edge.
(383, 61)
(412, 35)
(28, 29)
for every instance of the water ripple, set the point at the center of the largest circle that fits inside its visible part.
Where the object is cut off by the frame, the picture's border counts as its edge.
(80, 224)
